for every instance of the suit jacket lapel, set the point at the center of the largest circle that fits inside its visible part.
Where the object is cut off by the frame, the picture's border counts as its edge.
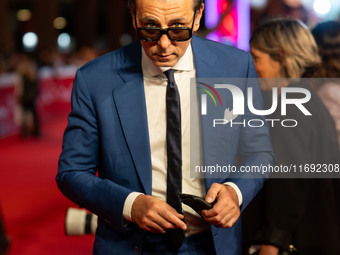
(206, 67)
(203, 59)
(130, 103)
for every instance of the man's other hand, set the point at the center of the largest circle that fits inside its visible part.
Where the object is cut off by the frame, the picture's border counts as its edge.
(226, 211)
(155, 215)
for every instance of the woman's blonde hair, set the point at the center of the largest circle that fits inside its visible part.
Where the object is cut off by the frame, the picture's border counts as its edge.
(289, 42)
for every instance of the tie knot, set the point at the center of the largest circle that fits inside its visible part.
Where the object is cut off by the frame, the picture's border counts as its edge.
(170, 75)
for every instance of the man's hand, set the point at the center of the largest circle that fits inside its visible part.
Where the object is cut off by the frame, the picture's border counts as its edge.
(226, 211)
(155, 215)
(267, 249)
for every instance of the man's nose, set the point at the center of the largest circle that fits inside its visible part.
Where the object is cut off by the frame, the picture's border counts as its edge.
(164, 41)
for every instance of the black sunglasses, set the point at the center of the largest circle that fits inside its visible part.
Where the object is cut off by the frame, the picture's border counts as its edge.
(153, 34)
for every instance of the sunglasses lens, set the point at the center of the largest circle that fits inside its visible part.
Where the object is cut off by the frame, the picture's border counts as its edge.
(152, 35)
(149, 34)
(179, 34)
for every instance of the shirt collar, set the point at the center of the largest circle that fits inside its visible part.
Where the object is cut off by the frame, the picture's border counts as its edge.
(185, 63)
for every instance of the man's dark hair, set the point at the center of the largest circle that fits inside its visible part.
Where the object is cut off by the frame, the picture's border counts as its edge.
(197, 5)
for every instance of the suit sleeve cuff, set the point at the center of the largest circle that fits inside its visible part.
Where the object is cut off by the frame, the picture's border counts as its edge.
(237, 190)
(128, 204)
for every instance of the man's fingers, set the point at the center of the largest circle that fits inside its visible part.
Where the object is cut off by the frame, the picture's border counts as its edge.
(163, 223)
(220, 217)
(212, 192)
(223, 220)
(155, 215)
(152, 222)
(154, 227)
(216, 210)
(172, 216)
(155, 222)
(225, 212)
(174, 219)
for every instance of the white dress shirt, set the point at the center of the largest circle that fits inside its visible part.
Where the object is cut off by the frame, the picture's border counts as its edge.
(155, 83)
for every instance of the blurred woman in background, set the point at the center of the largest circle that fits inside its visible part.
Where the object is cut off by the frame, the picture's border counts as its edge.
(294, 215)
(27, 95)
(327, 36)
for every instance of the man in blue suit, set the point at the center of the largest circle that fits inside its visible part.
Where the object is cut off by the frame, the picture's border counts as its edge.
(114, 158)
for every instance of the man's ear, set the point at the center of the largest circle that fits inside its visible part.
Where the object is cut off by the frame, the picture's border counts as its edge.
(198, 18)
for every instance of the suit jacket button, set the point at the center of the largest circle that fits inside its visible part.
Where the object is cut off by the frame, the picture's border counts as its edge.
(136, 250)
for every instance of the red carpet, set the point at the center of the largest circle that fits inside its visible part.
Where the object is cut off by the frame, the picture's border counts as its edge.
(32, 206)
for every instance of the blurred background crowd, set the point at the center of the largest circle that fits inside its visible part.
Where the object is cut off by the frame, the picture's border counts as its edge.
(54, 38)
(42, 43)
(73, 31)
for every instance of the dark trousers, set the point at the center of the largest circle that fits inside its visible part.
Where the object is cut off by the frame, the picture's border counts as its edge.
(199, 244)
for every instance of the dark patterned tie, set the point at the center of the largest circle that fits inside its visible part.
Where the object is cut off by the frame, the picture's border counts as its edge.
(175, 237)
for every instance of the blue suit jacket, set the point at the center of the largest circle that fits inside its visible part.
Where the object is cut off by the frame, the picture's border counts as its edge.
(106, 151)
